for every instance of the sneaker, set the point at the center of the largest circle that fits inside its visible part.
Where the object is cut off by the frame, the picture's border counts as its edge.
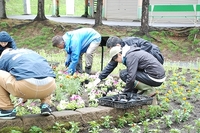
(8, 114)
(45, 109)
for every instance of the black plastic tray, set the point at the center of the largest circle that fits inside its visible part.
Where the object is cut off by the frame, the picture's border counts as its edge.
(125, 100)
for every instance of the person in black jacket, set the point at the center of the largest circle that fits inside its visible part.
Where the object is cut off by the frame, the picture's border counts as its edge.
(130, 41)
(143, 71)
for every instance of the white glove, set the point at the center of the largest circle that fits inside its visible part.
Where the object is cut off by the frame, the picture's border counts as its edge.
(97, 81)
(20, 101)
(93, 84)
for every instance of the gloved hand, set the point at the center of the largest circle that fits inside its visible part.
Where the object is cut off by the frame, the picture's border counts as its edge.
(20, 101)
(93, 84)
(67, 64)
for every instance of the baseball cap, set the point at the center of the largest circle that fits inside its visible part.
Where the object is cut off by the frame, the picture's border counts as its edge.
(115, 50)
(112, 41)
(5, 37)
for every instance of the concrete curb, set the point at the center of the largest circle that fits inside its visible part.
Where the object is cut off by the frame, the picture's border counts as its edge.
(82, 115)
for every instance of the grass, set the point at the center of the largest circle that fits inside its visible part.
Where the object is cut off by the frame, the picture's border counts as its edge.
(16, 8)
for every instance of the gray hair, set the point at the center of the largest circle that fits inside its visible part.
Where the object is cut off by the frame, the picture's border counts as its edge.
(56, 40)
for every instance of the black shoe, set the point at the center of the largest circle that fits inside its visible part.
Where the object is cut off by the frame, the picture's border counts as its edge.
(7, 114)
(45, 109)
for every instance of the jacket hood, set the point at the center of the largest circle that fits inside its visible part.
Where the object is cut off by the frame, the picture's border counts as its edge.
(128, 49)
(5, 37)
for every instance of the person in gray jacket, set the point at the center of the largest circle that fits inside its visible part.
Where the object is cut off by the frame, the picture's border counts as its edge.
(130, 41)
(143, 71)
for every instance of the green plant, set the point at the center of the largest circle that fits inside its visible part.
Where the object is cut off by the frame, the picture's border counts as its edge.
(35, 129)
(3, 24)
(116, 130)
(188, 128)
(177, 115)
(135, 128)
(58, 126)
(130, 117)
(94, 127)
(74, 127)
(197, 125)
(167, 120)
(156, 122)
(14, 131)
(106, 121)
(121, 121)
(146, 125)
(142, 114)
(175, 131)
(154, 111)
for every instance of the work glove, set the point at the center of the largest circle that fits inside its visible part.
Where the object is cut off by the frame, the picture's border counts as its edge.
(20, 101)
(67, 64)
(93, 84)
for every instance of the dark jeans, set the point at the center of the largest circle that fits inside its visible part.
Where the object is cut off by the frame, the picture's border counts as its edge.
(141, 76)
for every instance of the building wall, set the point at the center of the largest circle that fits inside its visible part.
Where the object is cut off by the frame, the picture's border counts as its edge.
(121, 9)
(174, 18)
(131, 10)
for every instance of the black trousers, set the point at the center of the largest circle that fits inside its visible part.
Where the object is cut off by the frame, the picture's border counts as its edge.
(141, 76)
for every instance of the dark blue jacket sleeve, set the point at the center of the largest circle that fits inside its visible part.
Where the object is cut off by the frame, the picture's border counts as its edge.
(108, 69)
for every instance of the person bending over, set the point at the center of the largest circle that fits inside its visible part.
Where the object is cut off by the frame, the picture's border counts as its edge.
(27, 75)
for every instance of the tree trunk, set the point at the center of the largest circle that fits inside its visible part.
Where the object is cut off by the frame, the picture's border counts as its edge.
(98, 15)
(40, 14)
(3, 9)
(86, 9)
(57, 8)
(144, 29)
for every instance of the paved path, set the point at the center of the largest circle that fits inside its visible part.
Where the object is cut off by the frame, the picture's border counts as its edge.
(82, 20)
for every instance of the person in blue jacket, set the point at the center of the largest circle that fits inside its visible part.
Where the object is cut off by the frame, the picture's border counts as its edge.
(76, 43)
(6, 41)
(26, 75)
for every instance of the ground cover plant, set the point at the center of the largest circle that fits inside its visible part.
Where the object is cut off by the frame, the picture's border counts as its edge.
(178, 110)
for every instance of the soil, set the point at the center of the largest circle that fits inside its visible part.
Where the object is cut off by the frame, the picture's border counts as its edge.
(180, 38)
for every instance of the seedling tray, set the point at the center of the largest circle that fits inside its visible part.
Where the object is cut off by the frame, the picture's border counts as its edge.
(125, 100)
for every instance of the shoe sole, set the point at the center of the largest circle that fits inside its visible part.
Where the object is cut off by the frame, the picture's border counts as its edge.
(45, 113)
(7, 118)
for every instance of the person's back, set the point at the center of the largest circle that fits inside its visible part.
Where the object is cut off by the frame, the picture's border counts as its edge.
(80, 38)
(25, 63)
(27, 75)
(144, 45)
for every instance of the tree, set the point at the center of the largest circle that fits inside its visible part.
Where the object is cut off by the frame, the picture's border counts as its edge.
(86, 9)
(57, 8)
(144, 29)
(40, 14)
(98, 15)
(3, 9)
